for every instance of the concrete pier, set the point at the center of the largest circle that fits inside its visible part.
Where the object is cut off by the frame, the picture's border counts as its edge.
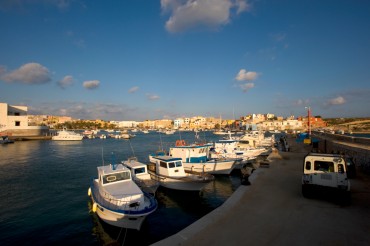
(272, 211)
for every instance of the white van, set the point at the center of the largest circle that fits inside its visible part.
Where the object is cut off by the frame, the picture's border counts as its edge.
(325, 172)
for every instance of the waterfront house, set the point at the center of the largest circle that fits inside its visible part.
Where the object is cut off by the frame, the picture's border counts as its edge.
(14, 122)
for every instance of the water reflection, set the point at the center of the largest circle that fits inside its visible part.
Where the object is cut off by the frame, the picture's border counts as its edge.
(44, 192)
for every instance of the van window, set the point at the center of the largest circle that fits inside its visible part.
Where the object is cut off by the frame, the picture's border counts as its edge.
(308, 165)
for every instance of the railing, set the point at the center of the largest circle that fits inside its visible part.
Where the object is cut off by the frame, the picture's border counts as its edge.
(107, 201)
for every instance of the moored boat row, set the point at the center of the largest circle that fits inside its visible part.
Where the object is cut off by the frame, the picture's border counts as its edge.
(124, 194)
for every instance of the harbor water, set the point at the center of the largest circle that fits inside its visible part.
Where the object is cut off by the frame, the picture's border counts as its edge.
(44, 185)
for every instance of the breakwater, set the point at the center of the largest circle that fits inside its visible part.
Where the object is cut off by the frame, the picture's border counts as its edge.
(356, 147)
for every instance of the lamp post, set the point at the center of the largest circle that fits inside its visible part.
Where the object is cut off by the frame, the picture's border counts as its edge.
(309, 120)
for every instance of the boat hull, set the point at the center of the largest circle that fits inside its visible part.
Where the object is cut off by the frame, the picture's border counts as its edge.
(185, 184)
(119, 216)
(211, 167)
(66, 139)
(119, 219)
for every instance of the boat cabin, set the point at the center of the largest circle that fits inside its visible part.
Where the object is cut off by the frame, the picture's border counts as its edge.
(169, 166)
(118, 186)
(191, 153)
(109, 175)
(137, 168)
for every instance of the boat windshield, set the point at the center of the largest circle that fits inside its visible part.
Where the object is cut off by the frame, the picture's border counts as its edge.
(114, 177)
(174, 164)
(139, 170)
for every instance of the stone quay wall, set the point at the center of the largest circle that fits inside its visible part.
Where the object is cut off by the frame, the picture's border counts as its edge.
(358, 148)
(29, 131)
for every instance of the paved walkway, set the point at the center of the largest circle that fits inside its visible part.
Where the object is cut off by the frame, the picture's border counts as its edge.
(272, 211)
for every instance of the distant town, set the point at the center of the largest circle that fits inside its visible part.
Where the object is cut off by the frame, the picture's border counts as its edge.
(17, 117)
(16, 120)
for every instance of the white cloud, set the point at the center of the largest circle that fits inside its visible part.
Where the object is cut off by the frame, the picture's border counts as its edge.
(152, 97)
(30, 73)
(246, 87)
(301, 102)
(2, 70)
(66, 81)
(133, 89)
(337, 101)
(92, 84)
(246, 75)
(187, 14)
(242, 6)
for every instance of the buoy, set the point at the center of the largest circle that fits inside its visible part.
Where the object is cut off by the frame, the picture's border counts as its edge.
(94, 207)
(89, 192)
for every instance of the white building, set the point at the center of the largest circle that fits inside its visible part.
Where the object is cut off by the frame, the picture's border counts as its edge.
(178, 123)
(271, 125)
(125, 124)
(14, 121)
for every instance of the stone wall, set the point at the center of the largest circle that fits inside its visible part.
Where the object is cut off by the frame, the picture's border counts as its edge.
(30, 131)
(343, 138)
(361, 156)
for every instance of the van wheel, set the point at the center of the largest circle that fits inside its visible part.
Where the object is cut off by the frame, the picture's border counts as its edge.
(306, 191)
(346, 198)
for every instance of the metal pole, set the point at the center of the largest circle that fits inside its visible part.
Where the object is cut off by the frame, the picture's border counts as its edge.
(309, 122)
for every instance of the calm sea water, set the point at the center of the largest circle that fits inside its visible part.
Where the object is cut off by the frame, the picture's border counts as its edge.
(44, 199)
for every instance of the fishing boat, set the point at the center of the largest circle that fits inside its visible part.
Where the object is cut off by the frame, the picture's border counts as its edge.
(170, 173)
(140, 175)
(229, 148)
(196, 157)
(117, 199)
(66, 135)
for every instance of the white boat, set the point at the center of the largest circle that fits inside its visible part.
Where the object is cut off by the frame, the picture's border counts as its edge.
(256, 139)
(220, 133)
(171, 174)
(196, 157)
(118, 200)
(5, 140)
(229, 149)
(139, 173)
(124, 136)
(168, 132)
(65, 135)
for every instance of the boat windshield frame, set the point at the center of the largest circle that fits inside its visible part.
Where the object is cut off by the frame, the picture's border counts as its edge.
(174, 164)
(116, 177)
(140, 170)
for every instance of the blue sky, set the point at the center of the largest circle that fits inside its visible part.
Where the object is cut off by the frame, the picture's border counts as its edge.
(153, 59)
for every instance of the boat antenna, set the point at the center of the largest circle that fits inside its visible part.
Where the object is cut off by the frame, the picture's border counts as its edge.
(102, 155)
(113, 161)
(132, 149)
(160, 138)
